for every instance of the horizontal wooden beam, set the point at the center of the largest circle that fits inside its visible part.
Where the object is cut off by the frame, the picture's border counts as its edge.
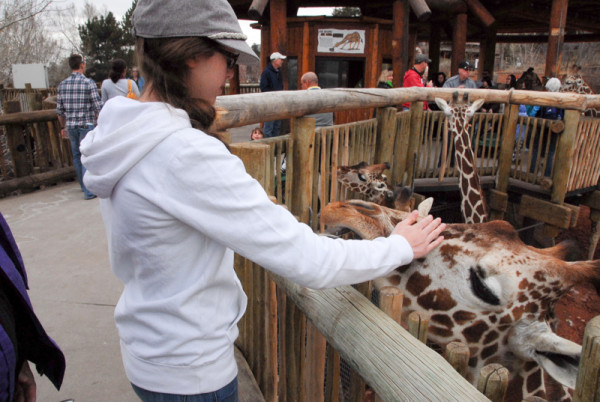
(241, 110)
(544, 38)
(498, 200)
(28, 117)
(36, 180)
(546, 211)
(360, 333)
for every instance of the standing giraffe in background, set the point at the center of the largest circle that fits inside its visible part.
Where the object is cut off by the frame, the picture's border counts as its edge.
(487, 289)
(472, 205)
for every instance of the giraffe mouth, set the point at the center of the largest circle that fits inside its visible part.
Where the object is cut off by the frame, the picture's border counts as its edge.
(342, 232)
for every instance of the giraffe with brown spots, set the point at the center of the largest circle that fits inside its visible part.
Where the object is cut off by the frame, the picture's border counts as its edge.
(484, 287)
(370, 181)
(459, 112)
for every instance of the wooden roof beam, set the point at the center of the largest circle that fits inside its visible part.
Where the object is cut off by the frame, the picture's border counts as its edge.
(257, 8)
(421, 9)
(481, 12)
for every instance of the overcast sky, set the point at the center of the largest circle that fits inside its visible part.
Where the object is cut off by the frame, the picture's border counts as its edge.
(119, 7)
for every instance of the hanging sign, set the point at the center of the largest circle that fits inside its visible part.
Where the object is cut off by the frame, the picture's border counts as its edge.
(341, 41)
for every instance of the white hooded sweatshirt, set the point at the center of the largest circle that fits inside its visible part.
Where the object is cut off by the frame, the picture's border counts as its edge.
(176, 205)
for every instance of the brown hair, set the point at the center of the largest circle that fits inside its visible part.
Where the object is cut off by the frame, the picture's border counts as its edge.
(75, 61)
(117, 69)
(164, 63)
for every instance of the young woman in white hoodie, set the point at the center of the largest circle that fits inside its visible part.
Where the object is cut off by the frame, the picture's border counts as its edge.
(177, 205)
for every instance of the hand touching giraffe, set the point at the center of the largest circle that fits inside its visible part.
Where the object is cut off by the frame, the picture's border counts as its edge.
(423, 236)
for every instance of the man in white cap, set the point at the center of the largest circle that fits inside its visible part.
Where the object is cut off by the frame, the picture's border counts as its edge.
(461, 80)
(271, 80)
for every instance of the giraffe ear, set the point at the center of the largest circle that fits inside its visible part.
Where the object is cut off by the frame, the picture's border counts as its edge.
(475, 106)
(443, 105)
(558, 356)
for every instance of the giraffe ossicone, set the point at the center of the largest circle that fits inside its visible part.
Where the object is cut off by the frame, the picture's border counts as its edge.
(484, 287)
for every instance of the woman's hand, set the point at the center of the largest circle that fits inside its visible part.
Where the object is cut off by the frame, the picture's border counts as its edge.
(25, 389)
(423, 236)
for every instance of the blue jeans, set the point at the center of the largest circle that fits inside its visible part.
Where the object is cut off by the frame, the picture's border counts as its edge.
(272, 128)
(76, 135)
(229, 393)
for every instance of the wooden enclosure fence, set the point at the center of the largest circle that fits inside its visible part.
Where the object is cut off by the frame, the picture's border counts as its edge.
(294, 338)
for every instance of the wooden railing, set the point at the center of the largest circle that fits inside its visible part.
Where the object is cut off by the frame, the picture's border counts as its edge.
(284, 350)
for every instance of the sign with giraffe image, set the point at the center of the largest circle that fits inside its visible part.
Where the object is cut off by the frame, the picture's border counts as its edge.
(341, 41)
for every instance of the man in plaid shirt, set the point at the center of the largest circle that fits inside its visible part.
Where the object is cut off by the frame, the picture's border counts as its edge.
(77, 106)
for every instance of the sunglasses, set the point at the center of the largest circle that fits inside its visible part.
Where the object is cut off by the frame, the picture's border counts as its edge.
(231, 58)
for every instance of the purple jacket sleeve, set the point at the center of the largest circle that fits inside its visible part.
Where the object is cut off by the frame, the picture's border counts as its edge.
(41, 349)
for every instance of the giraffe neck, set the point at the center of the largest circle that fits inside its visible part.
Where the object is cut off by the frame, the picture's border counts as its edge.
(472, 204)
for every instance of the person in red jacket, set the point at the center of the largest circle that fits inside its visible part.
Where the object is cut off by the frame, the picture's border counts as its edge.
(414, 77)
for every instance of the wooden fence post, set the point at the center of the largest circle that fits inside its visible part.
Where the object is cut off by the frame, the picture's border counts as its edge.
(416, 121)
(493, 382)
(587, 387)
(15, 140)
(509, 128)
(259, 326)
(390, 302)
(564, 156)
(303, 138)
(386, 132)
(457, 354)
(418, 324)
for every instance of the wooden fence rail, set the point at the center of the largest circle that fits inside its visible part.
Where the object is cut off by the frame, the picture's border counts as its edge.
(284, 350)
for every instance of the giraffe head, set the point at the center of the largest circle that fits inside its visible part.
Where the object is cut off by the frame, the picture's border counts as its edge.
(459, 111)
(576, 84)
(368, 180)
(487, 289)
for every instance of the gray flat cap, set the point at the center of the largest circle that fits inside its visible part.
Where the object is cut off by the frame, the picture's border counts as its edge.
(420, 58)
(212, 19)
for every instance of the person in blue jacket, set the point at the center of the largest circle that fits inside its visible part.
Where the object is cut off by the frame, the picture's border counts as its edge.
(22, 337)
(271, 80)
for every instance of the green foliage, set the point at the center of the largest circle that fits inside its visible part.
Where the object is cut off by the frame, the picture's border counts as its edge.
(104, 39)
(346, 12)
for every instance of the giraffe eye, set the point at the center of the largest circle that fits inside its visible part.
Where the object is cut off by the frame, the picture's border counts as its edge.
(480, 289)
(362, 177)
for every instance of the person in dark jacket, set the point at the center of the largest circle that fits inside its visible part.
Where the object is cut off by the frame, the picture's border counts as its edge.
(385, 79)
(271, 80)
(22, 337)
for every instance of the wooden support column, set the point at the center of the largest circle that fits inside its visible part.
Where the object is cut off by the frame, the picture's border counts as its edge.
(459, 41)
(374, 69)
(558, 21)
(487, 53)
(278, 27)
(435, 40)
(401, 13)
(306, 54)
(412, 48)
(265, 47)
